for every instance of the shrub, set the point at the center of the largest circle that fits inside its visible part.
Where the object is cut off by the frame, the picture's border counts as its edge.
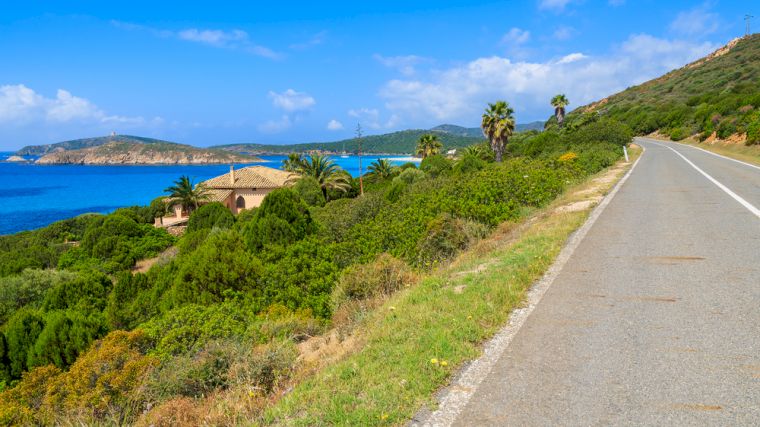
(468, 164)
(282, 218)
(678, 134)
(28, 289)
(21, 332)
(220, 265)
(436, 165)
(211, 215)
(192, 327)
(310, 191)
(383, 276)
(106, 381)
(753, 131)
(409, 176)
(447, 236)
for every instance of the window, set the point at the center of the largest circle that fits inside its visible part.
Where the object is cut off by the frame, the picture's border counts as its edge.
(240, 202)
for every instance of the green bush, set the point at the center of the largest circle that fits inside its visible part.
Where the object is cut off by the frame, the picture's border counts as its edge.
(211, 215)
(410, 176)
(678, 134)
(753, 131)
(28, 289)
(468, 164)
(220, 265)
(447, 236)
(436, 165)
(383, 276)
(282, 218)
(310, 191)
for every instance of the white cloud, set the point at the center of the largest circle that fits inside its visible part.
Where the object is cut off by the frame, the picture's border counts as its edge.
(696, 22)
(405, 64)
(292, 101)
(315, 40)
(572, 58)
(564, 33)
(20, 105)
(229, 39)
(554, 5)
(370, 118)
(516, 36)
(334, 125)
(459, 93)
(274, 126)
(213, 37)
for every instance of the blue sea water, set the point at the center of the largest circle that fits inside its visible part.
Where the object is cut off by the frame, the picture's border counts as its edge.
(33, 196)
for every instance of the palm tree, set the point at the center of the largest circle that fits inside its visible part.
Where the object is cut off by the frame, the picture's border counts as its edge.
(480, 151)
(382, 168)
(559, 102)
(188, 195)
(292, 163)
(498, 125)
(428, 145)
(329, 175)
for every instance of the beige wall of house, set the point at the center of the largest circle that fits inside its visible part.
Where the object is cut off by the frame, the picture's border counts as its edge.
(252, 198)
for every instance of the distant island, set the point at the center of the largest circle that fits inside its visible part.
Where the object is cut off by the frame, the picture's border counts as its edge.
(130, 150)
(138, 150)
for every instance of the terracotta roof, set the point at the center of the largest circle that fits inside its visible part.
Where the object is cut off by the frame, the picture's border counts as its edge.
(218, 195)
(250, 177)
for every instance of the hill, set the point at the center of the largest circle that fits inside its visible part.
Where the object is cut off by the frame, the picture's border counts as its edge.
(77, 144)
(717, 96)
(478, 132)
(402, 142)
(138, 153)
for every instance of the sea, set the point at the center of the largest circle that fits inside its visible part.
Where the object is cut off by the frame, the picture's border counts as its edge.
(33, 196)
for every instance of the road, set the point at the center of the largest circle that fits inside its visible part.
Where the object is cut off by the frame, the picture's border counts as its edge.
(655, 318)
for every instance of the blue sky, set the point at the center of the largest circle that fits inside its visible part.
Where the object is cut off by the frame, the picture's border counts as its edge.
(288, 72)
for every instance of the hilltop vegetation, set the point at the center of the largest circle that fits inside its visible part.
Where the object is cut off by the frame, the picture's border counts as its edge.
(402, 142)
(716, 95)
(77, 144)
(211, 335)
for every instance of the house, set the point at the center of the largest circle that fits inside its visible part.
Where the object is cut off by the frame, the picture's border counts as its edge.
(245, 188)
(239, 189)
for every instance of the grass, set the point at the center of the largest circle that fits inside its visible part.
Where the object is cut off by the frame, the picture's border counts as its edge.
(745, 153)
(416, 340)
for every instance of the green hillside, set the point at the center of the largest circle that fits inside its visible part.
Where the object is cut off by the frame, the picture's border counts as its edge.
(77, 144)
(717, 95)
(402, 142)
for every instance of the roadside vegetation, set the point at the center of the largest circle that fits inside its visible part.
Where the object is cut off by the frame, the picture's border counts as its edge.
(254, 305)
(713, 98)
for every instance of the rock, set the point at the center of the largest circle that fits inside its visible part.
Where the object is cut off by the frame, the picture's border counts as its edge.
(16, 159)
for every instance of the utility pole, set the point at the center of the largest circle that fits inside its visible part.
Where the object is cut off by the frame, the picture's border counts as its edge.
(747, 18)
(361, 172)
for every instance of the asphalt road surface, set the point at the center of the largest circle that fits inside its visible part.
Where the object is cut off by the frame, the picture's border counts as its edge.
(655, 318)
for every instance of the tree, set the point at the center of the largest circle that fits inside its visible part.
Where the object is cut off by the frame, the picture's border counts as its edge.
(293, 163)
(382, 169)
(428, 145)
(559, 102)
(209, 216)
(498, 125)
(188, 195)
(159, 208)
(329, 175)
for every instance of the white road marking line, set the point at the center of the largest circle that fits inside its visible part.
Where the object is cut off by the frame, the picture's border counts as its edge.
(727, 190)
(467, 381)
(720, 155)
